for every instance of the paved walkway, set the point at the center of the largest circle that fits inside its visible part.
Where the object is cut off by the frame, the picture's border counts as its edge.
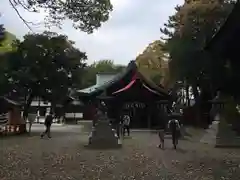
(65, 157)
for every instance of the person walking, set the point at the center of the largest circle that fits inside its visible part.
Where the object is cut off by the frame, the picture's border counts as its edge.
(161, 134)
(48, 123)
(161, 131)
(126, 124)
(174, 127)
(161, 119)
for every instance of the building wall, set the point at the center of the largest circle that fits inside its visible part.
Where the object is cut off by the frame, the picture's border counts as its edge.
(41, 104)
(71, 112)
(103, 78)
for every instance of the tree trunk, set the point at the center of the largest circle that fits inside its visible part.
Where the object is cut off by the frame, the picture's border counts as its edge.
(53, 107)
(27, 105)
(197, 104)
(187, 95)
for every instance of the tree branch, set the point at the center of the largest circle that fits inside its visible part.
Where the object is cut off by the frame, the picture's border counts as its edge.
(19, 15)
(24, 5)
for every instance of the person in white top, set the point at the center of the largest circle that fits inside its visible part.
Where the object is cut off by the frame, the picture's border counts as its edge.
(126, 124)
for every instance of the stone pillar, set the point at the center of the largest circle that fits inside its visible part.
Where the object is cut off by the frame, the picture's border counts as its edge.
(220, 133)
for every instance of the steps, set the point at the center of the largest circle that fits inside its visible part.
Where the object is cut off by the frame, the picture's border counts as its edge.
(220, 134)
(226, 136)
(211, 134)
(103, 136)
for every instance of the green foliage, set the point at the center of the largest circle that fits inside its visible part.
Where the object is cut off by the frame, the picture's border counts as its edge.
(156, 78)
(2, 33)
(45, 65)
(5, 47)
(86, 15)
(187, 31)
(4, 84)
(7, 42)
(152, 62)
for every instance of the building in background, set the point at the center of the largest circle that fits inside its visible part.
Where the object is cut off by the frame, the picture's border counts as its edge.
(101, 79)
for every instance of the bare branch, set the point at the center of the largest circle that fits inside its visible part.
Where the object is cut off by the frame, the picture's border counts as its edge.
(19, 15)
(14, 3)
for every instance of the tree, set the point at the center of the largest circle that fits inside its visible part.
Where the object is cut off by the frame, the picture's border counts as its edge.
(187, 32)
(152, 62)
(4, 84)
(5, 47)
(86, 15)
(45, 65)
(2, 33)
(6, 43)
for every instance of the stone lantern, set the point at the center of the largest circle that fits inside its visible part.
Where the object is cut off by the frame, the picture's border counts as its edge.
(217, 106)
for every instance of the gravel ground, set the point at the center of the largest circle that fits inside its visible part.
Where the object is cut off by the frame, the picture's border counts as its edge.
(65, 157)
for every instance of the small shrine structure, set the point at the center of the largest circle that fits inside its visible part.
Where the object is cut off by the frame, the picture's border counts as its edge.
(11, 121)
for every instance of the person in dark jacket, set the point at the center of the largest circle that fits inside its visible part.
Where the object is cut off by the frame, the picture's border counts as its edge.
(48, 123)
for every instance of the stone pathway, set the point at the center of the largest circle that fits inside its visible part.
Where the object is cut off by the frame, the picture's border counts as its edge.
(65, 157)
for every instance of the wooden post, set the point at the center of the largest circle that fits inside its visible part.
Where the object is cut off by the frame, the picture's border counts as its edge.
(149, 112)
(149, 121)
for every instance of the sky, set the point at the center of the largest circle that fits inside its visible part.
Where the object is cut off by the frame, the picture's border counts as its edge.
(132, 25)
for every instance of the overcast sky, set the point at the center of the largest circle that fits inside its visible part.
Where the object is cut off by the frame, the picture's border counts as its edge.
(133, 24)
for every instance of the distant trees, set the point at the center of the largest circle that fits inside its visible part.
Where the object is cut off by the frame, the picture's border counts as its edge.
(6, 43)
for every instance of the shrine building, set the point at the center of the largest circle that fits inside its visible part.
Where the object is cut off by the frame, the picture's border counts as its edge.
(130, 92)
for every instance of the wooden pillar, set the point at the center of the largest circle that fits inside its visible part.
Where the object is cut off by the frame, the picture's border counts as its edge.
(149, 115)
(149, 120)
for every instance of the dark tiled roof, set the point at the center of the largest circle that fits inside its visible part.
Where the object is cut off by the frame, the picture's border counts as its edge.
(131, 66)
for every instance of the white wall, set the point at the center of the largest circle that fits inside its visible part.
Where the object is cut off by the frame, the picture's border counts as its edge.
(42, 104)
(103, 78)
(74, 115)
